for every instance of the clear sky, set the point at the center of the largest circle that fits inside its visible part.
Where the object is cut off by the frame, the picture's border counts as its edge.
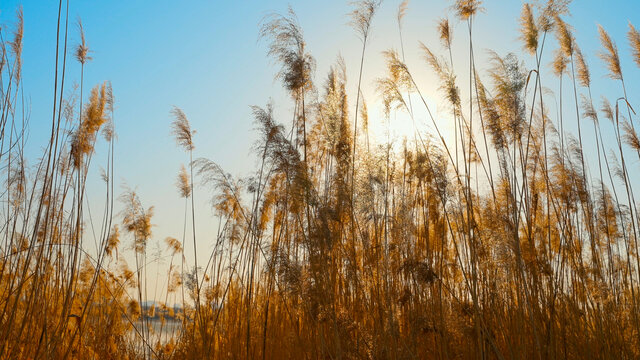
(205, 57)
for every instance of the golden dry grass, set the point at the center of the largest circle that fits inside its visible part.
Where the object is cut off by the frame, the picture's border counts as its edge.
(337, 247)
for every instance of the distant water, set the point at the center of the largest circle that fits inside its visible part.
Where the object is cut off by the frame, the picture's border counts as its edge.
(159, 331)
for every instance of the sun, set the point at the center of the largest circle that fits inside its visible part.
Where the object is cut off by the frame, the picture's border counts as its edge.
(400, 125)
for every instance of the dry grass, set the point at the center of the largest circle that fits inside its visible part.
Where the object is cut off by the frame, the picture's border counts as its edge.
(505, 244)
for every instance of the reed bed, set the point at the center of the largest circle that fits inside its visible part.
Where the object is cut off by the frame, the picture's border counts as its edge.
(505, 243)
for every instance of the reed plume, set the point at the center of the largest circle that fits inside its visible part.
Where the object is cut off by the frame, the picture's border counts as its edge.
(287, 46)
(444, 32)
(610, 54)
(630, 136)
(173, 244)
(583, 76)
(82, 49)
(634, 40)
(363, 13)
(607, 109)
(93, 117)
(181, 129)
(467, 8)
(184, 186)
(16, 45)
(564, 36)
(402, 11)
(528, 30)
(113, 241)
(559, 64)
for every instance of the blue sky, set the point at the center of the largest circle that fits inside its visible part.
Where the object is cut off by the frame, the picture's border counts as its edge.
(205, 57)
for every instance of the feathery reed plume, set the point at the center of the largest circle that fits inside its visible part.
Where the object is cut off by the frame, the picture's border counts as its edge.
(436, 64)
(588, 111)
(183, 182)
(630, 136)
(181, 129)
(447, 78)
(173, 244)
(402, 11)
(82, 49)
(564, 36)
(16, 45)
(634, 40)
(288, 47)
(110, 98)
(16, 182)
(549, 11)
(365, 115)
(93, 118)
(584, 76)
(363, 13)
(136, 220)
(492, 118)
(559, 64)
(391, 86)
(528, 30)
(113, 241)
(109, 131)
(467, 8)
(610, 54)
(509, 79)
(607, 109)
(444, 32)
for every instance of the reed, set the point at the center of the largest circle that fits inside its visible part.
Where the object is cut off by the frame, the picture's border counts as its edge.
(503, 242)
